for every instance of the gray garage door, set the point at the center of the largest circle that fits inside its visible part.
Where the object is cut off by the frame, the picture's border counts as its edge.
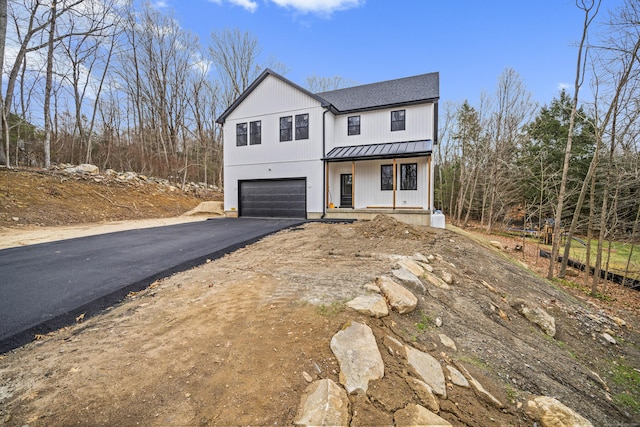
(283, 198)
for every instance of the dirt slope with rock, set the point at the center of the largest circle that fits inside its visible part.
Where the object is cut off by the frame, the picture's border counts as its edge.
(74, 195)
(248, 338)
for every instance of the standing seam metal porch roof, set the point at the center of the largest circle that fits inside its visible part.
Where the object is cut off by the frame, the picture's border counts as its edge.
(380, 151)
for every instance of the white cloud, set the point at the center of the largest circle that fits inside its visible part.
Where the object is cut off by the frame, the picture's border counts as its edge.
(564, 86)
(160, 4)
(324, 7)
(248, 5)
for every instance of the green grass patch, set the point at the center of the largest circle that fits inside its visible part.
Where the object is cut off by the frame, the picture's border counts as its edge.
(512, 393)
(627, 378)
(425, 322)
(331, 310)
(475, 361)
(619, 255)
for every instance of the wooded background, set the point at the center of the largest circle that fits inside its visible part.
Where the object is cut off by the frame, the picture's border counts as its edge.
(121, 85)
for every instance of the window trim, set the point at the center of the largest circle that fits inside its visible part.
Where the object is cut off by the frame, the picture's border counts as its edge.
(353, 129)
(241, 134)
(302, 129)
(382, 176)
(255, 138)
(398, 122)
(403, 166)
(288, 120)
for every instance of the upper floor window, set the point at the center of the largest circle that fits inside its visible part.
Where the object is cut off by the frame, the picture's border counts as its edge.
(397, 120)
(386, 177)
(255, 133)
(286, 127)
(302, 126)
(241, 134)
(409, 176)
(353, 124)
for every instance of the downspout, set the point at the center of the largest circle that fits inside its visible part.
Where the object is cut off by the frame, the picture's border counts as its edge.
(432, 167)
(324, 168)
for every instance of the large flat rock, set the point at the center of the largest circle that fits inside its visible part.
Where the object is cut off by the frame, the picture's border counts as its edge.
(360, 360)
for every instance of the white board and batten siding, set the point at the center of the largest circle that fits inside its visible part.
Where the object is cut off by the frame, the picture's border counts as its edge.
(375, 127)
(367, 184)
(273, 159)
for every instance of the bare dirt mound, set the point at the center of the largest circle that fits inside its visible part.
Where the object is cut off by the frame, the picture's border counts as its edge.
(46, 198)
(383, 226)
(229, 343)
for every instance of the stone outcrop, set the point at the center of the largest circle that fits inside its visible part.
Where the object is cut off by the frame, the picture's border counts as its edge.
(456, 377)
(411, 266)
(419, 257)
(428, 368)
(88, 171)
(425, 394)
(416, 415)
(551, 412)
(400, 299)
(358, 355)
(324, 403)
(373, 305)
(408, 278)
(435, 281)
(84, 169)
(536, 315)
(447, 342)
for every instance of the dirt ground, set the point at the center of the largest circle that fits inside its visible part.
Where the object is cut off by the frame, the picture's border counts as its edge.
(227, 343)
(30, 198)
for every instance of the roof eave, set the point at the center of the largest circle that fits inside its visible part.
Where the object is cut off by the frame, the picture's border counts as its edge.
(267, 72)
(387, 106)
(379, 157)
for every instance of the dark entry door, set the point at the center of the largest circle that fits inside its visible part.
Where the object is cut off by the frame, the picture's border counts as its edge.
(346, 190)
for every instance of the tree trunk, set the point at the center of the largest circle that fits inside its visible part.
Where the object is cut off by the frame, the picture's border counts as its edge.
(4, 157)
(47, 90)
(555, 248)
(633, 237)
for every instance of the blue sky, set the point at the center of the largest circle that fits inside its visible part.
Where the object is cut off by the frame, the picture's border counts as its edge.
(470, 42)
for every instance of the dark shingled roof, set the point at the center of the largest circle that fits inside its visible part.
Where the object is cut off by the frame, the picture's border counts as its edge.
(398, 92)
(408, 90)
(380, 151)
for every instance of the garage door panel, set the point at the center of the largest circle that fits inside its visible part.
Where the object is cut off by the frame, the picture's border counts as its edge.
(273, 198)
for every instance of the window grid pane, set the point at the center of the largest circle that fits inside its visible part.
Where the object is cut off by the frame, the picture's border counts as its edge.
(255, 137)
(286, 124)
(241, 134)
(353, 124)
(409, 176)
(386, 177)
(302, 126)
(398, 120)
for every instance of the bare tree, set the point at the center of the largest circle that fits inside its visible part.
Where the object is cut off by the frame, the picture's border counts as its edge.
(47, 91)
(514, 109)
(589, 14)
(622, 51)
(317, 84)
(235, 55)
(3, 110)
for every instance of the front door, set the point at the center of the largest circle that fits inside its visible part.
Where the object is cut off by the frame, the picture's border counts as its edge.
(346, 193)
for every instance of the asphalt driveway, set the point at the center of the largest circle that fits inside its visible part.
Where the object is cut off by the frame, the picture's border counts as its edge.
(46, 286)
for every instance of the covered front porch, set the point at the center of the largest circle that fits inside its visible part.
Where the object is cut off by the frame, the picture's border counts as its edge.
(367, 180)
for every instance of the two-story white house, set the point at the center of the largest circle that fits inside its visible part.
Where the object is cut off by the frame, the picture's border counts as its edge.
(347, 153)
